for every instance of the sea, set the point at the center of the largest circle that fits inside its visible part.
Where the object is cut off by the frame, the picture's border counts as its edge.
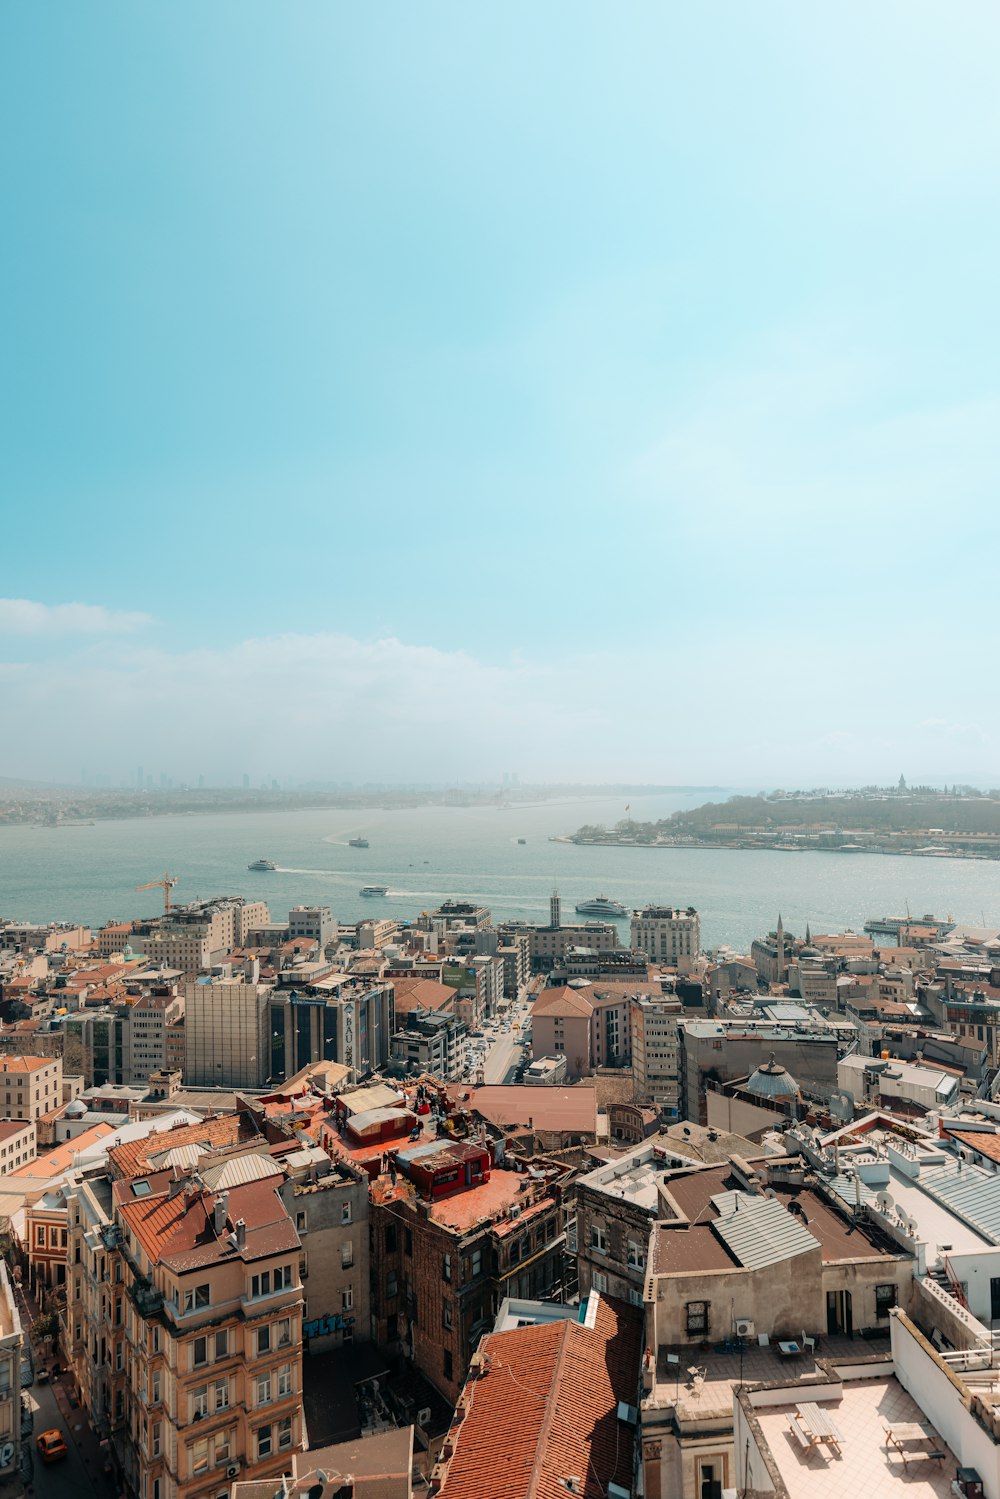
(87, 872)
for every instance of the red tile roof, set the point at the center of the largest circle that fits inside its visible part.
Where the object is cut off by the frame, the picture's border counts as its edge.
(428, 994)
(24, 1064)
(133, 1158)
(565, 1381)
(563, 1001)
(179, 1231)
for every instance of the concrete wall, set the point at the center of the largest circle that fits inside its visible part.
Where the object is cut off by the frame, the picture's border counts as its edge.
(941, 1396)
(786, 1298)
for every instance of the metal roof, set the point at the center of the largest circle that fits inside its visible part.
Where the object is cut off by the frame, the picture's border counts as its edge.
(238, 1170)
(759, 1231)
(970, 1191)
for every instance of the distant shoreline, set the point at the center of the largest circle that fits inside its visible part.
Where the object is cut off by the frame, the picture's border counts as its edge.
(981, 856)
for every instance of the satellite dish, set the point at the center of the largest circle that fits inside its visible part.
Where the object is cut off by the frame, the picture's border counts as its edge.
(885, 1202)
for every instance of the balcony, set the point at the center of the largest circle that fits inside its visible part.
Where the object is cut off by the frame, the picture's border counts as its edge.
(148, 1300)
(111, 1235)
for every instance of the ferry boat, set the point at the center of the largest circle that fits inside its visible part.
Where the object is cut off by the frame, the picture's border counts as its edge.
(522, 840)
(601, 905)
(374, 890)
(357, 842)
(262, 864)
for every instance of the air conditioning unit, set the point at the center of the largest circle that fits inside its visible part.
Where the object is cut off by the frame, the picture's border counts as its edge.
(424, 1416)
(515, 1210)
(233, 1470)
(744, 1327)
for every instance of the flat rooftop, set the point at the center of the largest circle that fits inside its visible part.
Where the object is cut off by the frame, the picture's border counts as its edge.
(864, 1466)
(724, 1372)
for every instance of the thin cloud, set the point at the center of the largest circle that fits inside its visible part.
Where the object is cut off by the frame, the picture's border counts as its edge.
(28, 617)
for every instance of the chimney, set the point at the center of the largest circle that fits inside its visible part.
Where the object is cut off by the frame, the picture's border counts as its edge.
(241, 1233)
(220, 1211)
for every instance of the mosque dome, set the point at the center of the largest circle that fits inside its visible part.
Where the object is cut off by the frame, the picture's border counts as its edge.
(75, 1109)
(772, 1081)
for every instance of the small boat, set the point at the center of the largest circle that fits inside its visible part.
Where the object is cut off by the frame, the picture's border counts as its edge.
(374, 890)
(262, 864)
(601, 905)
(522, 840)
(357, 843)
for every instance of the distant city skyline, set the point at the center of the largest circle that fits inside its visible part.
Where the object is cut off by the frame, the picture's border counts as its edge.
(606, 392)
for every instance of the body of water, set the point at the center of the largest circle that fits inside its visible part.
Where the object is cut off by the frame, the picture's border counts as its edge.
(87, 873)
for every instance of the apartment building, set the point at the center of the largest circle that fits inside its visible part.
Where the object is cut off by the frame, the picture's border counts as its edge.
(431, 1043)
(656, 1026)
(195, 1329)
(226, 1031)
(18, 1143)
(328, 1203)
(194, 937)
(11, 1341)
(29, 1086)
(668, 935)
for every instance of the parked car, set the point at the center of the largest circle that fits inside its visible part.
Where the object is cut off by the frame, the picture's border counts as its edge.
(51, 1446)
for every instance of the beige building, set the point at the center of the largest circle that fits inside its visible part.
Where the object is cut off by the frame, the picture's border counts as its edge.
(656, 1042)
(184, 1317)
(10, 1381)
(195, 937)
(29, 1086)
(668, 935)
(560, 1025)
(226, 1032)
(18, 1143)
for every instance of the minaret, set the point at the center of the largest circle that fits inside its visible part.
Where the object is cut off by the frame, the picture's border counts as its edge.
(780, 934)
(555, 909)
(808, 937)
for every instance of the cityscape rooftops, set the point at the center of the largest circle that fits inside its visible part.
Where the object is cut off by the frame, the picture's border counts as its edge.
(571, 1110)
(177, 1228)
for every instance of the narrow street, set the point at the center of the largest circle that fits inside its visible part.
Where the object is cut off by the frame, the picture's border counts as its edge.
(81, 1472)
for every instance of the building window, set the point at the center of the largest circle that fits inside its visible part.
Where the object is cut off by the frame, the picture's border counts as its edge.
(263, 1340)
(447, 1363)
(598, 1238)
(264, 1441)
(40, 1236)
(284, 1381)
(391, 1286)
(408, 1240)
(300, 1222)
(199, 1403)
(476, 1263)
(697, 1319)
(199, 1456)
(263, 1389)
(346, 1255)
(284, 1433)
(155, 1388)
(199, 1352)
(222, 1394)
(446, 1313)
(345, 1212)
(221, 1344)
(197, 1298)
(599, 1281)
(284, 1332)
(224, 1446)
(347, 1298)
(157, 1438)
(446, 1267)
(636, 1255)
(390, 1239)
(885, 1299)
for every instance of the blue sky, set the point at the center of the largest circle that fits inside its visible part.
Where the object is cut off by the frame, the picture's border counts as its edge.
(609, 391)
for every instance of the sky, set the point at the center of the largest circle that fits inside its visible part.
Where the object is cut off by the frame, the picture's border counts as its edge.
(426, 392)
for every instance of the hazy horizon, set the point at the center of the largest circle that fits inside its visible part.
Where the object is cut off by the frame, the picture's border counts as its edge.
(410, 395)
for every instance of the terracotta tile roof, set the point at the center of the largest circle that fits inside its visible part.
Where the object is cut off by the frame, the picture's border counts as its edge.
(546, 1107)
(427, 993)
(565, 1381)
(134, 1157)
(56, 1161)
(984, 1141)
(563, 1001)
(24, 1064)
(179, 1231)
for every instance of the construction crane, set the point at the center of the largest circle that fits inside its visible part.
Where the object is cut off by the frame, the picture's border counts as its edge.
(166, 885)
